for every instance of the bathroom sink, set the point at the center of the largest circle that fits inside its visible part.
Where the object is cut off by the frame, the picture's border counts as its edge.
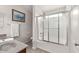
(7, 46)
(12, 46)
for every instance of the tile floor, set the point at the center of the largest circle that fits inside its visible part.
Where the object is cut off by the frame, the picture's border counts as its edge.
(30, 50)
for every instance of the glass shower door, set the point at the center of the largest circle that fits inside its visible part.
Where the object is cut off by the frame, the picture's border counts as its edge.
(40, 28)
(53, 28)
(46, 20)
(63, 22)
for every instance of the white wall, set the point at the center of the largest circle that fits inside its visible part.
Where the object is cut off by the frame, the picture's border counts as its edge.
(75, 28)
(6, 11)
(45, 45)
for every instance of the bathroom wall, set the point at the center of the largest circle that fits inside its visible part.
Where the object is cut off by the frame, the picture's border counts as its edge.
(46, 45)
(25, 27)
(75, 29)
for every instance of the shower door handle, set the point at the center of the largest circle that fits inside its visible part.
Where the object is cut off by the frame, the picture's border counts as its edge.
(76, 44)
(41, 33)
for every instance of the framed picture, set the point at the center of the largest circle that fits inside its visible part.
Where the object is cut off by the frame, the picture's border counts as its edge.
(18, 16)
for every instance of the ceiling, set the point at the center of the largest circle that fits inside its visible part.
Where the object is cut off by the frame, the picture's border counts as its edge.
(49, 7)
(39, 9)
(43, 8)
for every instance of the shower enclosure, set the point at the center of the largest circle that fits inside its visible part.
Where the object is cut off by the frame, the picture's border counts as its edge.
(57, 30)
(53, 28)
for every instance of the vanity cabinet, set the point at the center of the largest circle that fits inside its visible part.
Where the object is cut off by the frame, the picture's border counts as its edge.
(23, 50)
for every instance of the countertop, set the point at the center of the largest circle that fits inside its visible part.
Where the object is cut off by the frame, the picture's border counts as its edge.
(19, 46)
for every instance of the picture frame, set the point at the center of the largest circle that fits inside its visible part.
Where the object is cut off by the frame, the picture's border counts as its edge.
(18, 16)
